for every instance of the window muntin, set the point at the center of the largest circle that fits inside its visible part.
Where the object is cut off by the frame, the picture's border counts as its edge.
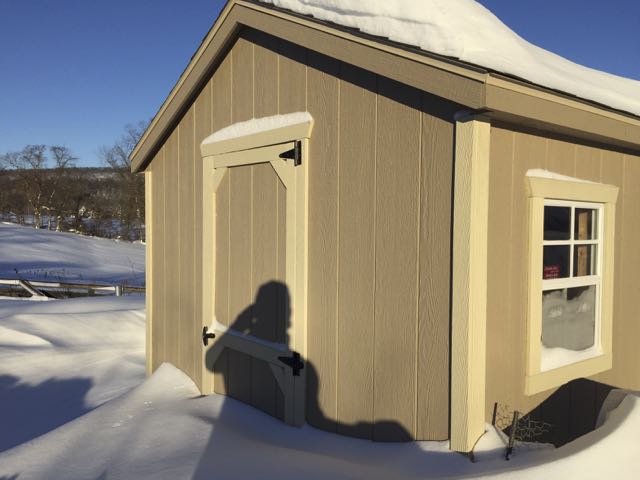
(571, 282)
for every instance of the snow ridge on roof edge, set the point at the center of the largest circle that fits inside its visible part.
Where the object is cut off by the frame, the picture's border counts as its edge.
(467, 31)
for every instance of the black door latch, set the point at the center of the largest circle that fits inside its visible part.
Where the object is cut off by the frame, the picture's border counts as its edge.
(206, 335)
(294, 362)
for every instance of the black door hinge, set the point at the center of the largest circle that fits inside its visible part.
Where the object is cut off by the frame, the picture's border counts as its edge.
(294, 362)
(294, 154)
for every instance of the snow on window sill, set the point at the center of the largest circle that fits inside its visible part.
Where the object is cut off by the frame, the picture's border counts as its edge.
(552, 358)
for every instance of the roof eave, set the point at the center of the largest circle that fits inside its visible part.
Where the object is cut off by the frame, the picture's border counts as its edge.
(470, 86)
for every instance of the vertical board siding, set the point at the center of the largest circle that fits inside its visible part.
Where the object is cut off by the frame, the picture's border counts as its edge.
(561, 157)
(627, 340)
(434, 263)
(172, 245)
(499, 351)
(264, 260)
(396, 262)
(292, 78)
(612, 171)
(159, 252)
(356, 252)
(240, 293)
(242, 80)
(188, 329)
(265, 88)
(202, 129)
(380, 171)
(323, 236)
(222, 286)
(516, 152)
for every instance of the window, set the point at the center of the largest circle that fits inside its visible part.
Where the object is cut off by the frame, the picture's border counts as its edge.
(571, 240)
(571, 282)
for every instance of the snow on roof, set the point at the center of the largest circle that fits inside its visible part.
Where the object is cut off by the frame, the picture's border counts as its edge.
(256, 125)
(465, 30)
(541, 173)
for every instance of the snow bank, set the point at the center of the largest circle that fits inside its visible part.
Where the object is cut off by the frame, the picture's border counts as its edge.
(256, 125)
(61, 359)
(466, 30)
(164, 429)
(56, 256)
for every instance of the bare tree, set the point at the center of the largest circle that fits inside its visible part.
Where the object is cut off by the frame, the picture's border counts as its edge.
(40, 183)
(59, 177)
(130, 205)
(29, 166)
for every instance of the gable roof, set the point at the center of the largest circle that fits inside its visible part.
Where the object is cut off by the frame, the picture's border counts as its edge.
(471, 86)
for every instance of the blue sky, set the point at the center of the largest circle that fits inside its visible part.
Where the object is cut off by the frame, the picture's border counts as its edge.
(74, 72)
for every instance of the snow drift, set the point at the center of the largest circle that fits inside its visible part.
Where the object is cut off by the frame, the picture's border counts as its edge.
(33, 254)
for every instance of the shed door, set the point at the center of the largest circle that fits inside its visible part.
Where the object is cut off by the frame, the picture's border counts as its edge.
(251, 295)
(255, 241)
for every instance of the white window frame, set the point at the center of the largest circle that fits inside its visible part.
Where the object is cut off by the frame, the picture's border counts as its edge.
(595, 279)
(567, 191)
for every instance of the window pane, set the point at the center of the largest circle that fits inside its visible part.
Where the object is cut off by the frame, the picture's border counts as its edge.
(584, 260)
(569, 318)
(555, 263)
(585, 224)
(557, 223)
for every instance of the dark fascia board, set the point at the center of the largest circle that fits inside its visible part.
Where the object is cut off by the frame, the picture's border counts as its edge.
(505, 98)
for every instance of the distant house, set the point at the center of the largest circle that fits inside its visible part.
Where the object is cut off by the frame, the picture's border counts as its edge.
(431, 236)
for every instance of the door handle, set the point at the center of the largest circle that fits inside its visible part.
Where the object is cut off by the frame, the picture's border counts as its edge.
(206, 335)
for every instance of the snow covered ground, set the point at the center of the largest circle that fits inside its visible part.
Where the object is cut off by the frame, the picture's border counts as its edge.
(57, 256)
(74, 404)
(59, 360)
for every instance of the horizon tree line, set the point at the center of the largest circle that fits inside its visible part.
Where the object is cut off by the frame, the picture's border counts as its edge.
(43, 186)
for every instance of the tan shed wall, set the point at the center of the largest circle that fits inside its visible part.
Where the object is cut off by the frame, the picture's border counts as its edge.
(512, 154)
(380, 172)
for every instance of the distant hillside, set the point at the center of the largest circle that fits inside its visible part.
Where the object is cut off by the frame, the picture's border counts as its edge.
(33, 254)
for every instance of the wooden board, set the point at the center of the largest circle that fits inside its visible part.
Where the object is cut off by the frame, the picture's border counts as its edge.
(499, 289)
(292, 87)
(240, 293)
(189, 325)
(397, 236)
(265, 87)
(202, 129)
(323, 235)
(613, 173)
(263, 272)
(172, 242)
(242, 80)
(222, 287)
(356, 252)
(158, 292)
(437, 137)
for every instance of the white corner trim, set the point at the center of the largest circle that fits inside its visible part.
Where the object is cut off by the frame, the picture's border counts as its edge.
(469, 305)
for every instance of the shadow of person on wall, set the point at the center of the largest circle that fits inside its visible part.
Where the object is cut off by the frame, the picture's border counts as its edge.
(268, 318)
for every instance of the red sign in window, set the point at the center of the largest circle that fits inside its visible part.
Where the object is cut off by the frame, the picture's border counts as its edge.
(551, 271)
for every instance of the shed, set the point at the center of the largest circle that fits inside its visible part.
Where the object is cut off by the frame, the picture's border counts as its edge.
(392, 234)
